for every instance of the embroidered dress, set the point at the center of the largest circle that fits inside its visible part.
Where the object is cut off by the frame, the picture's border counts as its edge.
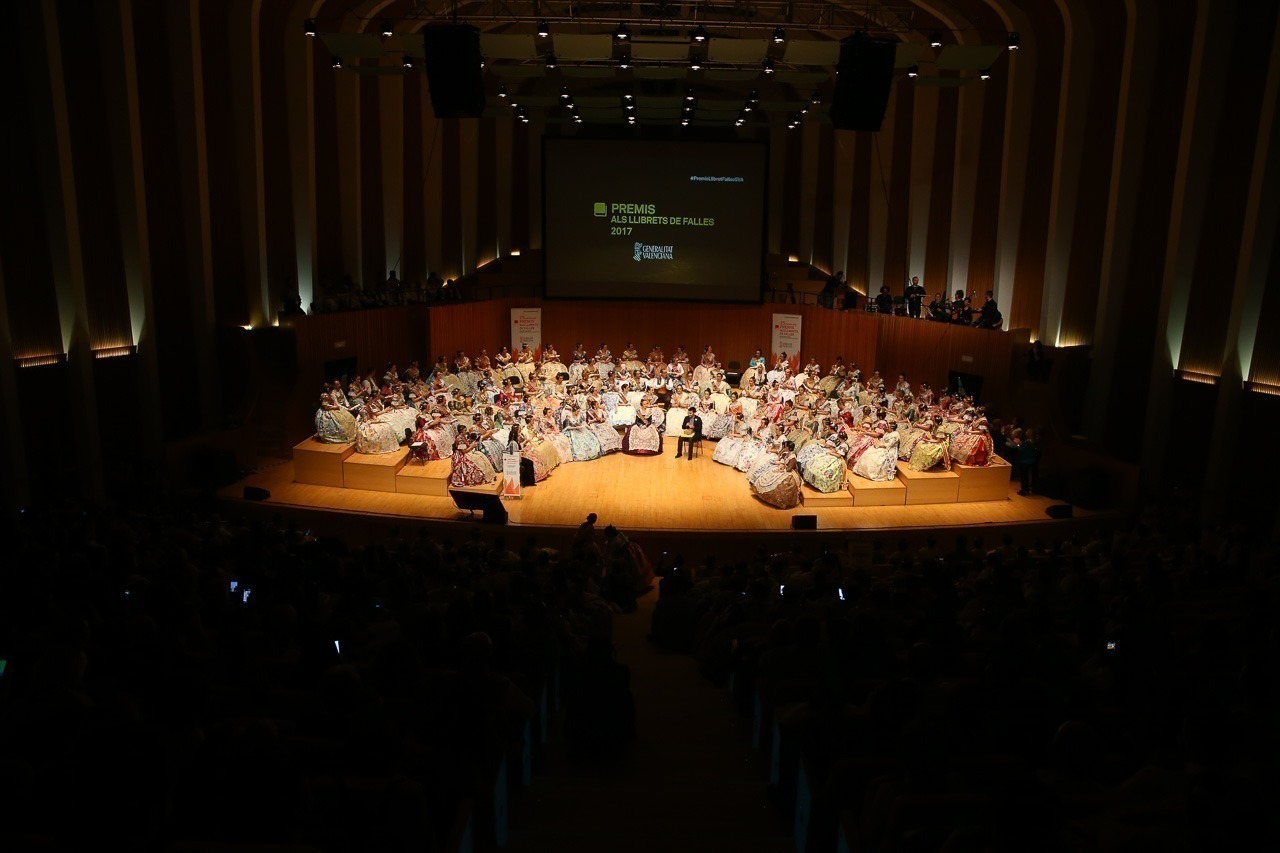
(334, 425)
(880, 461)
(860, 442)
(467, 470)
(825, 469)
(971, 447)
(642, 437)
(778, 485)
(376, 435)
(608, 437)
(583, 443)
(752, 450)
(928, 453)
(729, 449)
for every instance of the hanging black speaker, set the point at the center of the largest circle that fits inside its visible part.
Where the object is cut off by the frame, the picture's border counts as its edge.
(863, 81)
(453, 70)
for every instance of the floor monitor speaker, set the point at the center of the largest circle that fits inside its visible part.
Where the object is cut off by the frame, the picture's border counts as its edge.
(453, 70)
(1058, 511)
(864, 77)
(253, 493)
(804, 522)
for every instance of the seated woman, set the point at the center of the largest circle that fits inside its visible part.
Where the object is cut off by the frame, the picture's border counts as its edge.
(653, 378)
(779, 484)
(631, 359)
(755, 446)
(583, 443)
(375, 434)
(675, 374)
(603, 361)
(829, 383)
(525, 363)
(551, 366)
(730, 446)
(722, 424)
(678, 407)
(754, 375)
(930, 451)
(781, 370)
(909, 435)
(550, 430)
(624, 413)
(334, 424)
(578, 366)
(642, 437)
(879, 462)
(539, 451)
(822, 463)
(972, 445)
(702, 374)
(598, 421)
(470, 466)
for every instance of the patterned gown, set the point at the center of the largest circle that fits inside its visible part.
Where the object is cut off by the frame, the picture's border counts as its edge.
(778, 485)
(642, 438)
(880, 461)
(335, 426)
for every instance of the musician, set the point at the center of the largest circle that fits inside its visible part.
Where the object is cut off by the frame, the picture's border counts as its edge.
(884, 300)
(691, 432)
(990, 316)
(938, 309)
(915, 297)
(961, 309)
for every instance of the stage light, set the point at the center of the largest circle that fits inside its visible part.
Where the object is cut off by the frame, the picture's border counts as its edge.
(544, 29)
(684, 122)
(695, 64)
(631, 108)
(1015, 41)
(688, 109)
(913, 72)
(628, 97)
(577, 119)
(767, 65)
(309, 27)
(740, 122)
(502, 90)
(564, 94)
(631, 119)
(624, 61)
(746, 108)
(688, 96)
(779, 35)
(754, 98)
(482, 60)
(407, 61)
(386, 29)
(984, 74)
(551, 60)
(622, 33)
(336, 62)
(816, 99)
(699, 34)
(935, 41)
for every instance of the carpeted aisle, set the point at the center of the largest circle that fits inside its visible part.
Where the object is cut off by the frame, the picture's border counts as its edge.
(690, 783)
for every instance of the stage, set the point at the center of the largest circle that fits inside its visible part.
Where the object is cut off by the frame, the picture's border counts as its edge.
(654, 493)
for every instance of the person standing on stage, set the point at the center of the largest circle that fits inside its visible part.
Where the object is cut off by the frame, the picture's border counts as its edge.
(884, 301)
(915, 297)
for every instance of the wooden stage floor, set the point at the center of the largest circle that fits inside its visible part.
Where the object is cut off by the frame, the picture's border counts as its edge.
(652, 493)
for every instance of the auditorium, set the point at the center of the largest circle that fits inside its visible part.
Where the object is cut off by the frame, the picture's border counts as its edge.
(738, 425)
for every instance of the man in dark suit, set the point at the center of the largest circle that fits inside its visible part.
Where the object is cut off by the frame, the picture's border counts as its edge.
(691, 432)
(915, 297)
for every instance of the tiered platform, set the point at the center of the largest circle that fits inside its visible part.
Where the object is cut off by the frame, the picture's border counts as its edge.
(320, 464)
(990, 483)
(872, 493)
(811, 497)
(929, 487)
(374, 472)
(431, 478)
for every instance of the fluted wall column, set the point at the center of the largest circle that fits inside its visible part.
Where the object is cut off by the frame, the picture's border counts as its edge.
(246, 73)
(502, 167)
(302, 145)
(1137, 79)
(67, 265)
(810, 139)
(391, 121)
(881, 166)
(1073, 106)
(924, 126)
(1019, 100)
(1252, 273)
(1201, 114)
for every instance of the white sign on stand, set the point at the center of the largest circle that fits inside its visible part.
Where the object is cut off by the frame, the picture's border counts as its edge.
(511, 476)
(786, 335)
(526, 328)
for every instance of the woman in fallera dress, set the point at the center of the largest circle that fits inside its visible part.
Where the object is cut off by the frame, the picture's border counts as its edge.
(578, 364)
(551, 432)
(931, 450)
(631, 358)
(730, 446)
(598, 421)
(879, 462)
(603, 361)
(334, 424)
(642, 437)
(779, 484)
(583, 443)
(722, 425)
(552, 366)
(525, 363)
(469, 467)
(825, 466)
(374, 434)
(702, 374)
